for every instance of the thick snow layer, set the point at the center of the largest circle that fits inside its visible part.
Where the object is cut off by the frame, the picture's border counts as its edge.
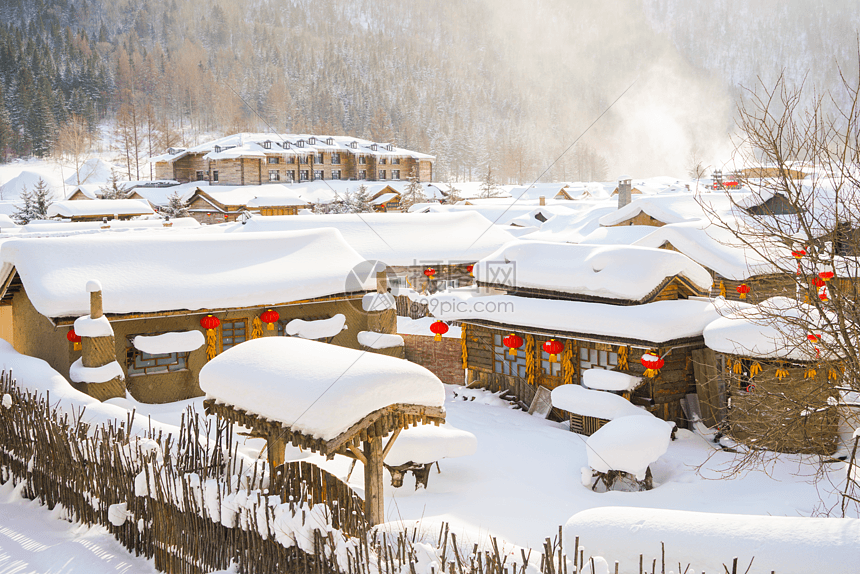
(407, 326)
(707, 541)
(603, 380)
(379, 340)
(673, 208)
(319, 329)
(62, 228)
(26, 180)
(178, 342)
(148, 272)
(6, 222)
(396, 239)
(87, 327)
(622, 235)
(429, 443)
(628, 444)
(776, 328)
(655, 322)
(612, 271)
(99, 207)
(572, 228)
(81, 374)
(599, 404)
(93, 171)
(378, 302)
(93, 286)
(315, 388)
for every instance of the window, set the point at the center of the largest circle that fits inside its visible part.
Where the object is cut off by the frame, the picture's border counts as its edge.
(140, 363)
(291, 159)
(362, 174)
(217, 149)
(594, 359)
(271, 159)
(320, 158)
(329, 141)
(233, 333)
(335, 158)
(273, 175)
(318, 174)
(312, 140)
(290, 175)
(382, 161)
(549, 369)
(362, 160)
(267, 145)
(353, 145)
(395, 174)
(395, 160)
(201, 175)
(303, 159)
(335, 174)
(303, 175)
(374, 147)
(505, 363)
(381, 174)
(215, 175)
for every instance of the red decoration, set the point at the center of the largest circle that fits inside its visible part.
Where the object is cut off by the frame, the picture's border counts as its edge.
(512, 342)
(209, 322)
(270, 318)
(470, 269)
(553, 348)
(439, 328)
(814, 338)
(743, 289)
(818, 282)
(798, 254)
(652, 363)
(826, 275)
(823, 294)
(74, 338)
(430, 272)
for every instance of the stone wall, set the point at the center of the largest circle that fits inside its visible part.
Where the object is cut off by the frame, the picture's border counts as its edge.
(443, 358)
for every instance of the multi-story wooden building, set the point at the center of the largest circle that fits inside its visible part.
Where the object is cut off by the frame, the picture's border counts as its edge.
(256, 159)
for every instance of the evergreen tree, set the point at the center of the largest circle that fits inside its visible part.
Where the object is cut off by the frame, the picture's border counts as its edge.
(112, 189)
(359, 201)
(453, 194)
(489, 187)
(175, 207)
(35, 203)
(414, 192)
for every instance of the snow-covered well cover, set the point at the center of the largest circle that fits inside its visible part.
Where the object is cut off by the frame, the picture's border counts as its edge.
(599, 404)
(176, 342)
(429, 443)
(315, 388)
(707, 540)
(610, 271)
(374, 340)
(86, 326)
(605, 380)
(776, 328)
(628, 444)
(97, 207)
(149, 272)
(317, 329)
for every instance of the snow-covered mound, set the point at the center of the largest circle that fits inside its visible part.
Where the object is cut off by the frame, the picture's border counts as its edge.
(706, 541)
(26, 181)
(629, 444)
(93, 170)
(315, 388)
(429, 443)
(604, 380)
(599, 404)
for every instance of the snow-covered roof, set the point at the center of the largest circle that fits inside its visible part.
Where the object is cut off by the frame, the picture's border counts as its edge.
(252, 145)
(396, 239)
(51, 227)
(673, 208)
(384, 198)
(622, 235)
(651, 323)
(90, 190)
(573, 227)
(150, 272)
(538, 190)
(99, 207)
(610, 272)
(314, 388)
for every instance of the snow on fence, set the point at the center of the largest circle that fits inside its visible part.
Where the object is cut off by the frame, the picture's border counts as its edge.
(193, 505)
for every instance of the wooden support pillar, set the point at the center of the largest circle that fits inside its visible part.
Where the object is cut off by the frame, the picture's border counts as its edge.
(275, 445)
(374, 503)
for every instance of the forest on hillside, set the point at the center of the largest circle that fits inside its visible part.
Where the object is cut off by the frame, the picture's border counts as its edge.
(506, 84)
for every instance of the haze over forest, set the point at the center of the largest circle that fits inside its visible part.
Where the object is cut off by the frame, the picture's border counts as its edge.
(505, 83)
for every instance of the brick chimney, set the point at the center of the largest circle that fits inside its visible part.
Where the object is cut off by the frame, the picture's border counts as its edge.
(542, 200)
(98, 350)
(625, 191)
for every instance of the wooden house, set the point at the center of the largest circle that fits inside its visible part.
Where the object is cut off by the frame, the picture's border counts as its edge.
(99, 209)
(167, 283)
(583, 297)
(257, 159)
(770, 391)
(386, 200)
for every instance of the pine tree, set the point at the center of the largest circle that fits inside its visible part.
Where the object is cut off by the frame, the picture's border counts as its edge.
(35, 203)
(359, 201)
(414, 192)
(112, 189)
(24, 211)
(453, 194)
(489, 187)
(175, 207)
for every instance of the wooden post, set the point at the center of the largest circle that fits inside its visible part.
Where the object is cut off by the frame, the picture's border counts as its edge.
(96, 310)
(275, 445)
(381, 282)
(374, 503)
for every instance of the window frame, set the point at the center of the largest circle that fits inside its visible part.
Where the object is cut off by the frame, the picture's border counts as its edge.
(272, 159)
(244, 322)
(274, 175)
(133, 354)
(335, 158)
(395, 174)
(504, 363)
(335, 174)
(214, 175)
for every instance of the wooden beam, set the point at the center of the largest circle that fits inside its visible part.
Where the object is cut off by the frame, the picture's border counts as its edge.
(275, 445)
(390, 442)
(374, 504)
(357, 454)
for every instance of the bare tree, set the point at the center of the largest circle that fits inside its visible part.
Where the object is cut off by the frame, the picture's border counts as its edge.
(74, 141)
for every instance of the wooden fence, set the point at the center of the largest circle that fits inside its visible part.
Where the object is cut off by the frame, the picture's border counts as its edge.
(193, 505)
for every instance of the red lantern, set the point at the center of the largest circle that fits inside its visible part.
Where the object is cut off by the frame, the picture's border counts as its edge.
(818, 282)
(439, 328)
(652, 363)
(798, 254)
(512, 342)
(823, 294)
(553, 348)
(209, 322)
(814, 338)
(826, 275)
(430, 272)
(270, 318)
(743, 289)
(74, 338)
(470, 269)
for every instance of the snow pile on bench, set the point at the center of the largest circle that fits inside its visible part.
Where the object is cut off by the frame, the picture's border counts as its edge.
(708, 540)
(99, 207)
(315, 388)
(598, 404)
(378, 302)
(319, 329)
(81, 374)
(604, 380)
(374, 340)
(600, 271)
(86, 326)
(629, 444)
(176, 342)
(428, 443)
